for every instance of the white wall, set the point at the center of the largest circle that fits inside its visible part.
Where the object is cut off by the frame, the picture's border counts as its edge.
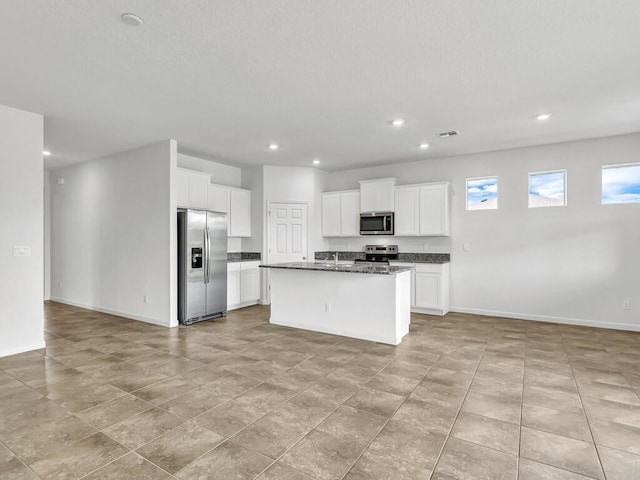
(220, 173)
(573, 264)
(21, 211)
(114, 234)
(47, 235)
(298, 184)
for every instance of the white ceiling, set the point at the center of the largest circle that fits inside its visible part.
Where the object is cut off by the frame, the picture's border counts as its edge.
(320, 77)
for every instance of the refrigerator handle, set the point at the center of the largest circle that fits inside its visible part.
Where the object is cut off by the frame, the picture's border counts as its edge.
(206, 255)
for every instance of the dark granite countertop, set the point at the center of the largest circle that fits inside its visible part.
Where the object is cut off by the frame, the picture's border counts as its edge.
(243, 256)
(341, 267)
(402, 257)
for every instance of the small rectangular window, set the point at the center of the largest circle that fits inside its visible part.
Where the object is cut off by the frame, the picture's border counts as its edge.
(621, 183)
(482, 193)
(548, 189)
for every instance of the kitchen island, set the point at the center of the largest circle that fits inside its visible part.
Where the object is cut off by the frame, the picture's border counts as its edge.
(368, 302)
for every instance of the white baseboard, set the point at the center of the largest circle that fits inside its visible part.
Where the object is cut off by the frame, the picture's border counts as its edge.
(23, 349)
(242, 305)
(549, 319)
(113, 312)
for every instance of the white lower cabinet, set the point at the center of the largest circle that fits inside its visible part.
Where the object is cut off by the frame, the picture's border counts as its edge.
(429, 287)
(243, 284)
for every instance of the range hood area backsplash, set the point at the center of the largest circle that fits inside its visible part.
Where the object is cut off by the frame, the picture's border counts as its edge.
(402, 257)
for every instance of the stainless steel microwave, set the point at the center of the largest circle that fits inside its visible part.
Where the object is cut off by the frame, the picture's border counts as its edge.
(376, 223)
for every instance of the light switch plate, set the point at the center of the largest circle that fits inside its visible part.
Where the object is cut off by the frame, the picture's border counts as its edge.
(21, 251)
(466, 247)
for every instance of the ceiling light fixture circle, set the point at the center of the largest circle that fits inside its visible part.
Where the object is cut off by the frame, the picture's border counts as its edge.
(46, 153)
(131, 19)
(398, 122)
(273, 146)
(316, 162)
(423, 146)
(542, 116)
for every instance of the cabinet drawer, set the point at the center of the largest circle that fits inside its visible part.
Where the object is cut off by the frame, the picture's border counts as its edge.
(249, 265)
(429, 268)
(233, 266)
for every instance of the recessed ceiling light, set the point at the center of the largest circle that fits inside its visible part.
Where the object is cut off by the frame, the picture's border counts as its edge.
(542, 116)
(423, 146)
(316, 162)
(273, 146)
(398, 122)
(46, 153)
(131, 19)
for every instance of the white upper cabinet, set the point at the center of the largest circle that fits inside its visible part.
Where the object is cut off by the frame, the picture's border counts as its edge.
(331, 221)
(192, 189)
(434, 209)
(218, 198)
(239, 212)
(407, 210)
(341, 214)
(350, 213)
(422, 210)
(377, 195)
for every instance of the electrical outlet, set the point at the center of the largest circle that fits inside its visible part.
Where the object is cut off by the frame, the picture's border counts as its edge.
(327, 307)
(426, 247)
(466, 247)
(145, 299)
(60, 284)
(626, 305)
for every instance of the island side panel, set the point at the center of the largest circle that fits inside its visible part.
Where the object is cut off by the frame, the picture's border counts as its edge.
(354, 305)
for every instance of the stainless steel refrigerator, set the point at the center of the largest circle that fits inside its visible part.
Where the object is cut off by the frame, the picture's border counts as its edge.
(202, 265)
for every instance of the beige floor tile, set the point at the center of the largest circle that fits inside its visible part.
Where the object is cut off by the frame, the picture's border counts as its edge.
(34, 443)
(487, 432)
(272, 435)
(114, 411)
(511, 391)
(616, 435)
(350, 423)
(80, 458)
(606, 391)
(619, 465)
(229, 418)
(96, 359)
(396, 384)
(500, 408)
(280, 471)
(408, 443)
(377, 402)
(561, 452)
(130, 466)
(323, 456)
(569, 424)
(140, 429)
(466, 461)
(180, 446)
(307, 409)
(612, 411)
(225, 462)
(427, 416)
(383, 466)
(530, 470)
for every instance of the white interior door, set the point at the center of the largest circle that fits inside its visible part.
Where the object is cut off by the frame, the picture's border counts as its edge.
(287, 232)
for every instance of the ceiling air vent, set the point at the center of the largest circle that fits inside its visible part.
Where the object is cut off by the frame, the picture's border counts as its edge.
(452, 133)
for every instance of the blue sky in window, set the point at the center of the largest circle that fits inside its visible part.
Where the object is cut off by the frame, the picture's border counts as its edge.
(481, 189)
(621, 184)
(547, 184)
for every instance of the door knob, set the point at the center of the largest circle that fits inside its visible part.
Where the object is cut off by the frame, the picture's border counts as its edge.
(304, 258)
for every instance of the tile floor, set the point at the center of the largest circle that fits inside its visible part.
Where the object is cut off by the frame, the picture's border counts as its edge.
(463, 397)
